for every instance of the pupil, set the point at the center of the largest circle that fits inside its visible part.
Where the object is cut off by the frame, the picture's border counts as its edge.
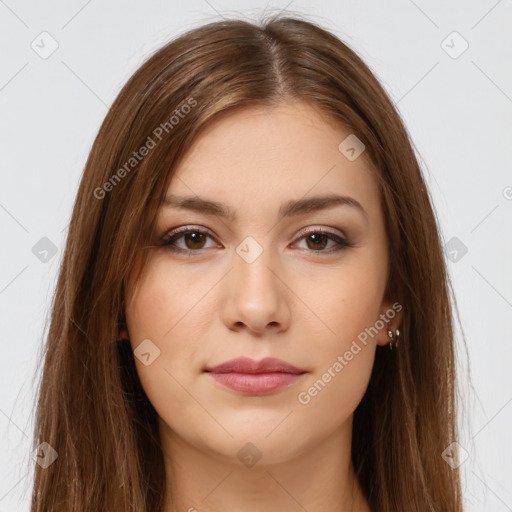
(315, 239)
(195, 239)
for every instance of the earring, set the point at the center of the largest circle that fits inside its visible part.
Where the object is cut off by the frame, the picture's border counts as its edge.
(394, 339)
(123, 336)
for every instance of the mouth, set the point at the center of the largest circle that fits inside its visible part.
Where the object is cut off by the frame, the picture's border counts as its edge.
(250, 377)
(250, 366)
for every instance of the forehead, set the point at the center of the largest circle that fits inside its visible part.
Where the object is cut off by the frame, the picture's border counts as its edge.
(256, 158)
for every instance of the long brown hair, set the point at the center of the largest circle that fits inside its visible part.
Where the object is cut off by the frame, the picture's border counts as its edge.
(91, 407)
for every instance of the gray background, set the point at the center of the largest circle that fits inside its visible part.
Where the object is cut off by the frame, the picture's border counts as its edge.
(456, 105)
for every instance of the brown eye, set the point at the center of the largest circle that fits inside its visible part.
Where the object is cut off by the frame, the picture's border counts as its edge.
(318, 239)
(194, 240)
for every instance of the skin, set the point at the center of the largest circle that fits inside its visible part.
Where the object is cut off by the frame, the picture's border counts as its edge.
(294, 302)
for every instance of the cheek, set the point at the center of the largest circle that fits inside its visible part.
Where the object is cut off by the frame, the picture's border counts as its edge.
(164, 311)
(344, 350)
(343, 357)
(348, 306)
(165, 301)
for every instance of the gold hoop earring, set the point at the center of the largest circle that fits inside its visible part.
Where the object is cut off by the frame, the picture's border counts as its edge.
(393, 344)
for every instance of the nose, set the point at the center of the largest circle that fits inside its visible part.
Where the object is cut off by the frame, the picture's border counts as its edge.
(256, 297)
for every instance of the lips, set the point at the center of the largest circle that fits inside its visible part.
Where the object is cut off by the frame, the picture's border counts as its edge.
(250, 366)
(249, 377)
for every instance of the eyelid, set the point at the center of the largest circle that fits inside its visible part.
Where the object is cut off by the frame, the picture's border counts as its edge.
(186, 229)
(321, 229)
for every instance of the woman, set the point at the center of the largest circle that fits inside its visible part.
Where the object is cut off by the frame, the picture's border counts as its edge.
(253, 311)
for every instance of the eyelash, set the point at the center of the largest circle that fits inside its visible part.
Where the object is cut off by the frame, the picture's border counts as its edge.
(173, 236)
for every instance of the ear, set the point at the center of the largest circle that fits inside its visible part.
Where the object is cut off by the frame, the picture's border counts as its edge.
(391, 315)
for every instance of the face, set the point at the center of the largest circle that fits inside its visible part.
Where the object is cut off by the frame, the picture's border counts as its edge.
(306, 287)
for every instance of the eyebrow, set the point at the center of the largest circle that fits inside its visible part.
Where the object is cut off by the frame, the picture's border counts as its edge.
(291, 208)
